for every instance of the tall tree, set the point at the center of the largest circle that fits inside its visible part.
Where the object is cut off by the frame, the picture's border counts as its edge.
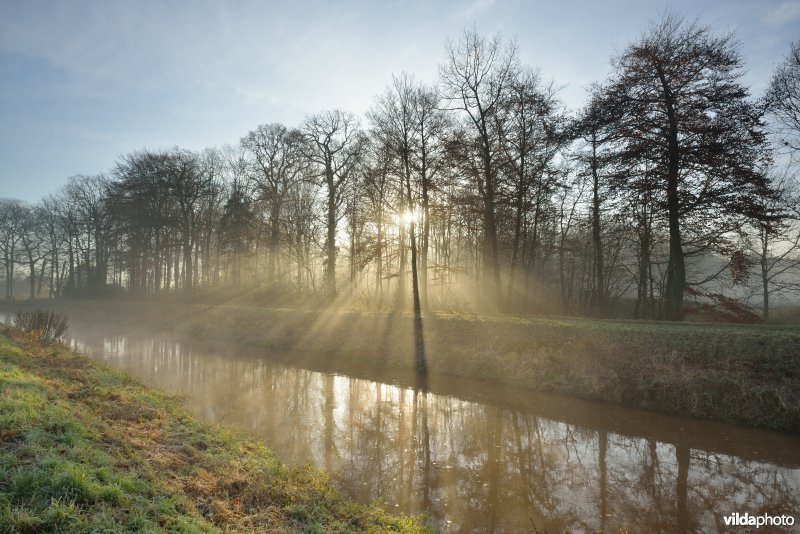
(334, 145)
(159, 198)
(591, 126)
(236, 228)
(783, 97)
(147, 217)
(776, 241)
(188, 184)
(430, 127)
(376, 192)
(530, 125)
(475, 77)
(594, 126)
(12, 226)
(395, 119)
(89, 198)
(278, 167)
(303, 230)
(32, 238)
(684, 109)
(53, 235)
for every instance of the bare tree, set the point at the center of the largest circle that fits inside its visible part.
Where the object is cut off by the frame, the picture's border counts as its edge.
(160, 198)
(12, 227)
(33, 239)
(394, 122)
(376, 195)
(278, 167)
(303, 230)
(188, 184)
(430, 127)
(88, 197)
(783, 97)
(530, 125)
(475, 77)
(236, 224)
(147, 216)
(334, 146)
(53, 236)
(776, 242)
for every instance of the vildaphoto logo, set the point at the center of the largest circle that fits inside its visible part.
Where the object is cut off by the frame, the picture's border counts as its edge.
(747, 520)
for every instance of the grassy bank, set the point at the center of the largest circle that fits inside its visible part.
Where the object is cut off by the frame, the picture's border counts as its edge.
(87, 449)
(747, 374)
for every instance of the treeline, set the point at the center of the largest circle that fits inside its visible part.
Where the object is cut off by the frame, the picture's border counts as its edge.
(480, 190)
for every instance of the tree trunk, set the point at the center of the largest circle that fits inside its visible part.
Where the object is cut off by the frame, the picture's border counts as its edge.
(401, 241)
(426, 227)
(419, 341)
(187, 258)
(765, 274)
(490, 225)
(642, 308)
(519, 205)
(9, 274)
(71, 256)
(600, 284)
(330, 240)
(32, 268)
(676, 268)
(379, 254)
(274, 241)
(157, 261)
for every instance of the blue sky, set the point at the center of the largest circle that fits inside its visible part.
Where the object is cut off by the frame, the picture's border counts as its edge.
(83, 82)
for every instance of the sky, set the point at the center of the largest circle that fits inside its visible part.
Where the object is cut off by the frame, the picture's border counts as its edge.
(84, 82)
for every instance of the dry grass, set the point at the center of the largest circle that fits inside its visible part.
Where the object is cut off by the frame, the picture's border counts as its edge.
(41, 326)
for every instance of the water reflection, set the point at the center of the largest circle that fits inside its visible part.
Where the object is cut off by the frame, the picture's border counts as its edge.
(501, 464)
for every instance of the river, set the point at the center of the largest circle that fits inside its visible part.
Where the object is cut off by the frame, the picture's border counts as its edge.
(473, 456)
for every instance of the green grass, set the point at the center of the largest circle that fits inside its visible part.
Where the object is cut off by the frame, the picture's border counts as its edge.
(785, 315)
(87, 449)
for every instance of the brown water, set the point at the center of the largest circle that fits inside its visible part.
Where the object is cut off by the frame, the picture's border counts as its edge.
(476, 457)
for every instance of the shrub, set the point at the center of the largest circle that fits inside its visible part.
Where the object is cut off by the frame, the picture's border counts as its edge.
(44, 327)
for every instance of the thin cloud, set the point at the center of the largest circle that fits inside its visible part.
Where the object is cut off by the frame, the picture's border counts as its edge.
(204, 72)
(476, 7)
(782, 14)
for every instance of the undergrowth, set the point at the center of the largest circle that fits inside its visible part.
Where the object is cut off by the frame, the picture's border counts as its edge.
(40, 326)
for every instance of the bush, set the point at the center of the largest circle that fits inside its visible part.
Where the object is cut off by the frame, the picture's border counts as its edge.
(44, 327)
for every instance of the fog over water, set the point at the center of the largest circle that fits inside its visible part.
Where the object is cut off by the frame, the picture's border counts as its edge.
(471, 456)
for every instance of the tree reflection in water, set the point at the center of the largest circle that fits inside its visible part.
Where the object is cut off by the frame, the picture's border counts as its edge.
(489, 464)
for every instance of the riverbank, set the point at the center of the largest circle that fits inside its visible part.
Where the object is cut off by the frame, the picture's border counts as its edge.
(85, 448)
(745, 374)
